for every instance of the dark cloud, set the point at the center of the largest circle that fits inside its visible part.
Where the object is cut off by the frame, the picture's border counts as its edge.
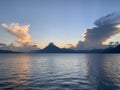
(106, 27)
(108, 19)
(2, 45)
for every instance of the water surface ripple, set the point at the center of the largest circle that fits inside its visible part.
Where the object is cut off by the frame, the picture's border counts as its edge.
(60, 71)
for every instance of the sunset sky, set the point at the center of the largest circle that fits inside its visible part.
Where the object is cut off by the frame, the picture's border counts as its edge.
(60, 21)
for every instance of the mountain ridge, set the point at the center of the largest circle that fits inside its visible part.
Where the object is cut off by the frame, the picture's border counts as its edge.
(52, 48)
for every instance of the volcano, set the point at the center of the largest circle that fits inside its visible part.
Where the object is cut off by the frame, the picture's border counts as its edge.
(51, 48)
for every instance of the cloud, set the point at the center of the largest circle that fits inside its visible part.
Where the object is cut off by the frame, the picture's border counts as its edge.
(2, 45)
(106, 27)
(21, 33)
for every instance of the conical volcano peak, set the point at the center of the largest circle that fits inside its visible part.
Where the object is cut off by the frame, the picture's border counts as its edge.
(51, 48)
(51, 43)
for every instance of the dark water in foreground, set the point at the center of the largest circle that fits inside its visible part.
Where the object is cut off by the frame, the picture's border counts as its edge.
(60, 71)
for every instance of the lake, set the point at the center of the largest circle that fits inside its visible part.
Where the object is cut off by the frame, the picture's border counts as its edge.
(60, 71)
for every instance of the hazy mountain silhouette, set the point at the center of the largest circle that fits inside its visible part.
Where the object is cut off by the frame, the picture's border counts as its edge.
(113, 49)
(7, 51)
(52, 48)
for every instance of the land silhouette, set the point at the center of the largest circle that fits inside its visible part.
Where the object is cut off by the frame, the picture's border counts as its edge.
(52, 48)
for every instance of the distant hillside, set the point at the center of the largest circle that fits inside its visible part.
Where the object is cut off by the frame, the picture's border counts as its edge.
(7, 51)
(52, 48)
(113, 49)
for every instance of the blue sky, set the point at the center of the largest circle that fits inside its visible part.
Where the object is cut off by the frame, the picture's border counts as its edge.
(58, 21)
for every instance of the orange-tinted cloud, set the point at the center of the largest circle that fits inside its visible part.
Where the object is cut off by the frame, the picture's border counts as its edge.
(19, 31)
(23, 41)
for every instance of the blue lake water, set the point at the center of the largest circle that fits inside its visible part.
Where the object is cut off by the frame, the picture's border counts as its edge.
(60, 71)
